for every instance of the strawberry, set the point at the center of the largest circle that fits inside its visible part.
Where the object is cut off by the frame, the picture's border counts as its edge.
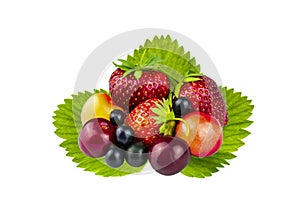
(206, 97)
(129, 90)
(152, 119)
(142, 121)
(121, 88)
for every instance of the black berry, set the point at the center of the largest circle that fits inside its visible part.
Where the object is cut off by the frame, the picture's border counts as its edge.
(181, 107)
(117, 117)
(137, 154)
(114, 157)
(124, 136)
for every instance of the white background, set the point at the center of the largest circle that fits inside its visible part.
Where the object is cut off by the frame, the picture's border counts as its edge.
(254, 44)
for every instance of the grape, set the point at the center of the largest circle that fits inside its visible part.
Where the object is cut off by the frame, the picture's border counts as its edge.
(181, 107)
(137, 154)
(124, 136)
(169, 155)
(114, 157)
(96, 136)
(117, 117)
(205, 133)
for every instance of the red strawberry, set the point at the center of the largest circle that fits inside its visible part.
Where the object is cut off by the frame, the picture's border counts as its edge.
(142, 121)
(128, 91)
(206, 97)
(121, 88)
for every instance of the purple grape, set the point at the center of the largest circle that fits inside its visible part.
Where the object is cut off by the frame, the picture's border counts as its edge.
(169, 155)
(96, 136)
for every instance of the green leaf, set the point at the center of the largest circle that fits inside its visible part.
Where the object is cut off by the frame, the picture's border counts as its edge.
(168, 53)
(68, 125)
(153, 60)
(239, 110)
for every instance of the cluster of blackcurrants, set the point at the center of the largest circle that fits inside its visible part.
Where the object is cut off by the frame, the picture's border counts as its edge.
(135, 153)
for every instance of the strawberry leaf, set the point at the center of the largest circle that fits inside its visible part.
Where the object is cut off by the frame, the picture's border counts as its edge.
(171, 53)
(166, 52)
(68, 125)
(153, 60)
(239, 110)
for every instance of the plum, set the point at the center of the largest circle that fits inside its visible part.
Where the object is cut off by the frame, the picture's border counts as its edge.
(204, 136)
(169, 155)
(96, 136)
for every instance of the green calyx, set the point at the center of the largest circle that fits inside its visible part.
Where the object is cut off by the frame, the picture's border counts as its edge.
(164, 54)
(138, 68)
(166, 117)
(188, 77)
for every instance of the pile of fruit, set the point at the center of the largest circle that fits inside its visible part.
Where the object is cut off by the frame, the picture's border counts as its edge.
(159, 109)
(144, 119)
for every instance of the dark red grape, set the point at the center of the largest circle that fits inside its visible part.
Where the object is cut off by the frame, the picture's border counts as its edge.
(96, 136)
(137, 154)
(169, 155)
(114, 157)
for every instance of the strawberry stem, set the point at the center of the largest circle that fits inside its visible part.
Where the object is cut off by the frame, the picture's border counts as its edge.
(169, 126)
(165, 115)
(186, 124)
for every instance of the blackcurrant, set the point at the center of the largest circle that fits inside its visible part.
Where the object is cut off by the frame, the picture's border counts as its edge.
(117, 117)
(124, 136)
(181, 107)
(137, 154)
(114, 157)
